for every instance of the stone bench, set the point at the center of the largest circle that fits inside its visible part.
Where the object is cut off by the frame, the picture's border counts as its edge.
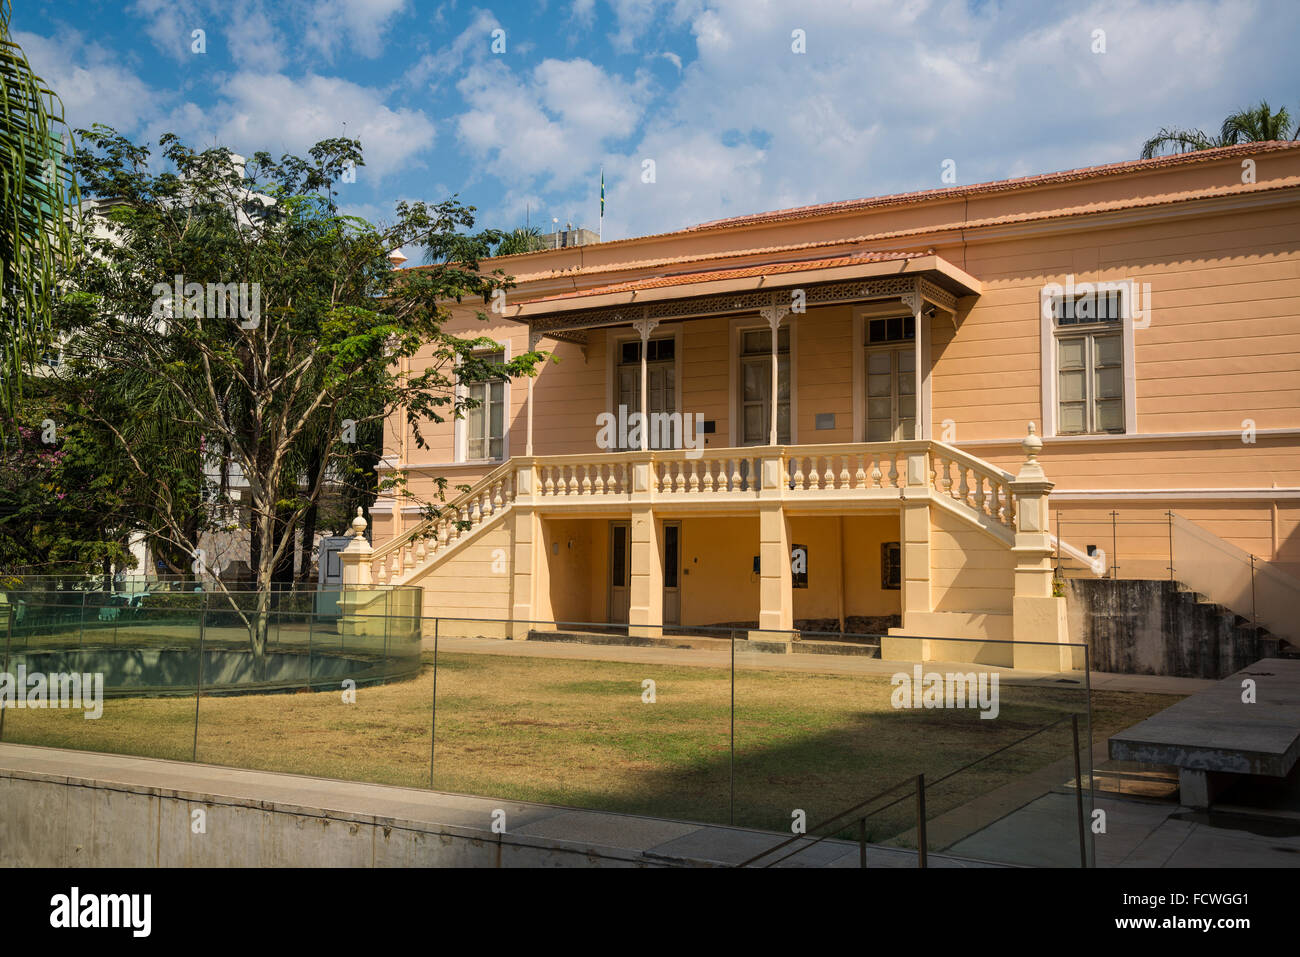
(1214, 735)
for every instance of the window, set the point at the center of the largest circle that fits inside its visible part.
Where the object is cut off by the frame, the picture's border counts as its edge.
(756, 386)
(1089, 364)
(891, 566)
(891, 379)
(661, 380)
(485, 423)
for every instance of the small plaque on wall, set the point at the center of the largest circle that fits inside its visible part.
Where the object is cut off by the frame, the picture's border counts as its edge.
(825, 420)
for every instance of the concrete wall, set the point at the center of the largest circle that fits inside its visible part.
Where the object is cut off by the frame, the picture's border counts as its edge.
(1156, 628)
(56, 821)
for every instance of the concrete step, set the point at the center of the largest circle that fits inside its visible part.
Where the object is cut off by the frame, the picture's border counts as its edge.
(861, 649)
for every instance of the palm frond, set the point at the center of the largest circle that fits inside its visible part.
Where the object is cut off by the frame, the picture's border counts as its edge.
(1171, 140)
(37, 189)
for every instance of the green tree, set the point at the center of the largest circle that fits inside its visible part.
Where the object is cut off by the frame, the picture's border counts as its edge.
(1252, 125)
(36, 192)
(243, 322)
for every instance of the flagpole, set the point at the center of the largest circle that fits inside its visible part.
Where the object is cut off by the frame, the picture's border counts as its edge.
(600, 235)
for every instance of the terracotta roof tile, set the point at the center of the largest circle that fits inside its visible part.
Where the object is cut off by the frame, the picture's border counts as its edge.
(1002, 185)
(741, 272)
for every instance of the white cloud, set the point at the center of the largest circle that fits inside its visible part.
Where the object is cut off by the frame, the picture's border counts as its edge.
(252, 39)
(93, 83)
(171, 23)
(276, 112)
(359, 25)
(472, 43)
(878, 101)
(550, 123)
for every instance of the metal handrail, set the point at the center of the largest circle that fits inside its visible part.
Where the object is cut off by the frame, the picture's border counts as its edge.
(919, 781)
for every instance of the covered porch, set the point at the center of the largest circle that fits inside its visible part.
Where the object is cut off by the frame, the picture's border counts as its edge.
(810, 352)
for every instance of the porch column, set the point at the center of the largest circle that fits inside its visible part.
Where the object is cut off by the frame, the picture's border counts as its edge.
(774, 314)
(1037, 615)
(776, 584)
(534, 339)
(645, 327)
(646, 601)
(527, 537)
(528, 446)
(920, 349)
(915, 599)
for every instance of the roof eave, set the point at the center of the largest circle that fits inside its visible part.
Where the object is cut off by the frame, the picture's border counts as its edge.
(935, 268)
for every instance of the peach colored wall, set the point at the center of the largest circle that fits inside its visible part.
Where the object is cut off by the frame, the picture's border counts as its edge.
(474, 582)
(718, 584)
(863, 535)
(1223, 344)
(969, 570)
(846, 546)
(568, 547)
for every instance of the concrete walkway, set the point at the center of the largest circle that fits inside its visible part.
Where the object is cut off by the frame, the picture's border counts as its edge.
(814, 664)
(75, 808)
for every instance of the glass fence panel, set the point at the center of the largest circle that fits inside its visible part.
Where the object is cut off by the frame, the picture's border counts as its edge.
(558, 722)
(817, 734)
(120, 686)
(355, 701)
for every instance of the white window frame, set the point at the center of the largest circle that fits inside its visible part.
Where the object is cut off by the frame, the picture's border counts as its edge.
(886, 309)
(462, 426)
(742, 324)
(614, 339)
(1048, 361)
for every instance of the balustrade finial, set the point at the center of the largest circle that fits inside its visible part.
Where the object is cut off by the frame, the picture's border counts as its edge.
(359, 524)
(1032, 445)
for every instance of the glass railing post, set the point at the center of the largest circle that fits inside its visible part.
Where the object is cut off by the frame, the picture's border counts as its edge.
(1170, 519)
(921, 839)
(731, 801)
(11, 620)
(1078, 793)
(433, 710)
(198, 675)
(1254, 614)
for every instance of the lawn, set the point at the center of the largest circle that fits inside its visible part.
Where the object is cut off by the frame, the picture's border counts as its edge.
(579, 733)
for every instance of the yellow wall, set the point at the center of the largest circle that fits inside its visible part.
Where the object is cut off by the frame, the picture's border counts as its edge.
(718, 583)
(1223, 345)
(569, 556)
(475, 581)
(969, 569)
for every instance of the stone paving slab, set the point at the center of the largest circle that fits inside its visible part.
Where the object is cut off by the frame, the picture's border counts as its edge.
(1214, 730)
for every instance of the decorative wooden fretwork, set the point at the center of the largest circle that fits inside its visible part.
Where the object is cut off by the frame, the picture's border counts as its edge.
(700, 306)
(938, 295)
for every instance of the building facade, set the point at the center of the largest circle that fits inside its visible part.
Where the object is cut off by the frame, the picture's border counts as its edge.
(850, 405)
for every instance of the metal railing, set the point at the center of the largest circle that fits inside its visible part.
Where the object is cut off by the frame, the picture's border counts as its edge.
(1246, 583)
(732, 740)
(917, 783)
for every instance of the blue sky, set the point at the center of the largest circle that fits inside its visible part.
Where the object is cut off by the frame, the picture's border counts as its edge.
(712, 91)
